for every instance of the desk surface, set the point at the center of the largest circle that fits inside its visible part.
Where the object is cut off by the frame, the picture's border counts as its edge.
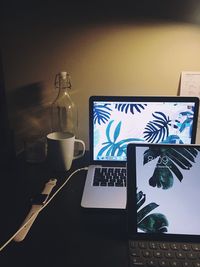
(64, 234)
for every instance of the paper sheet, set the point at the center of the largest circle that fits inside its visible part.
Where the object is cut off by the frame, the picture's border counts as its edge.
(190, 86)
(190, 83)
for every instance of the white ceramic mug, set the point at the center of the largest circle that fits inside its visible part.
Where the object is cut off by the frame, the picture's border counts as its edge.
(60, 150)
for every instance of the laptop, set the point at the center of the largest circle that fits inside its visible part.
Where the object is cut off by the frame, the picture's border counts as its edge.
(163, 185)
(117, 121)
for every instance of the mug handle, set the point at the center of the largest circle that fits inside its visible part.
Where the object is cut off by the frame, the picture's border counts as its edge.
(83, 152)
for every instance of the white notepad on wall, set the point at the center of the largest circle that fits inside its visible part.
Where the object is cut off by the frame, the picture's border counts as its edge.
(190, 86)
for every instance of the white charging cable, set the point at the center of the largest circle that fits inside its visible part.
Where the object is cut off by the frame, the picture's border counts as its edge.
(34, 215)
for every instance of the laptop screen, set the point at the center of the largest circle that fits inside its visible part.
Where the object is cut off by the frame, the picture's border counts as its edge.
(163, 189)
(117, 121)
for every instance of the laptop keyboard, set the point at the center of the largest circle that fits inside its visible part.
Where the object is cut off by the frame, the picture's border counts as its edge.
(110, 177)
(167, 254)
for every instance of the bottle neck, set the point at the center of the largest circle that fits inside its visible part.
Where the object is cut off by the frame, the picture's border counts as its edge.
(63, 83)
(63, 90)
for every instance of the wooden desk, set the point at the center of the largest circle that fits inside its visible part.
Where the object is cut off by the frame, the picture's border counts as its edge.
(63, 234)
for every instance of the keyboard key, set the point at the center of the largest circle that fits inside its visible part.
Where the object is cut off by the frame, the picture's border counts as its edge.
(163, 263)
(164, 246)
(180, 255)
(135, 253)
(142, 245)
(146, 253)
(137, 262)
(185, 247)
(196, 247)
(175, 264)
(186, 264)
(174, 246)
(192, 255)
(169, 254)
(153, 245)
(157, 254)
(152, 263)
(132, 244)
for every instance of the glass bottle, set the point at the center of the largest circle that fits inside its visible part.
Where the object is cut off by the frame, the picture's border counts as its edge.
(64, 116)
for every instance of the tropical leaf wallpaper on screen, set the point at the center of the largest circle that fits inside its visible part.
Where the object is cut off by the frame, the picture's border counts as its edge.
(146, 221)
(171, 163)
(156, 130)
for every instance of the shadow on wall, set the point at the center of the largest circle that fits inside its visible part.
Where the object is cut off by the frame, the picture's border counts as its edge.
(30, 115)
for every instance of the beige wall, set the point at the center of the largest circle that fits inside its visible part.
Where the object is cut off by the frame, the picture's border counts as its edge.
(135, 58)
